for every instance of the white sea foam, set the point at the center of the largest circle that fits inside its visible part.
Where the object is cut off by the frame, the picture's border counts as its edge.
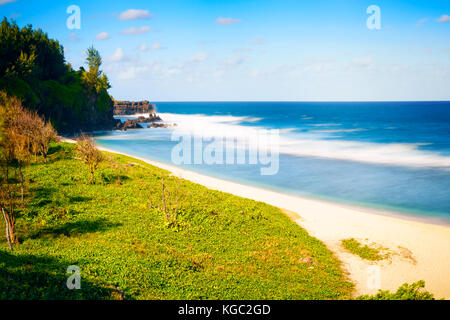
(135, 136)
(327, 124)
(309, 144)
(394, 153)
(338, 130)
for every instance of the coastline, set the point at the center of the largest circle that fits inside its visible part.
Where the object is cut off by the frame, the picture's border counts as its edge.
(417, 250)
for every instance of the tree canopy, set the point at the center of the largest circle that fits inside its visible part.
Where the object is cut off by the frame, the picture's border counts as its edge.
(29, 53)
(94, 79)
(33, 69)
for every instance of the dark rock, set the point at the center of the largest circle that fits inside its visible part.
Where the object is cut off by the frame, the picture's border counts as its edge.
(152, 117)
(135, 123)
(129, 124)
(127, 107)
(161, 125)
(117, 124)
(133, 107)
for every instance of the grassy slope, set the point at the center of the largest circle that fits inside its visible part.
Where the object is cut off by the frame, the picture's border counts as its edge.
(224, 247)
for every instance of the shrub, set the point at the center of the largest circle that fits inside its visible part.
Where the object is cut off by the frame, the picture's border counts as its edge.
(364, 252)
(24, 134)
(88, 153)
(168, 201)
(404, 292)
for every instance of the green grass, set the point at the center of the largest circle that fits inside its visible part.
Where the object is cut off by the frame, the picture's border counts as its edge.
(414, 291)
(221, 246)
(365, 252)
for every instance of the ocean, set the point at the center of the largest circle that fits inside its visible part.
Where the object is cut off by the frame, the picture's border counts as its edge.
(388, 156)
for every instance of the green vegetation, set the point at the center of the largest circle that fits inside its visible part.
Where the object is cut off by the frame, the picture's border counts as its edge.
(24, 136)
(88, 153)
(94, 79)
(33, 68)
(405, 292)
(365, 252)
(139, 233)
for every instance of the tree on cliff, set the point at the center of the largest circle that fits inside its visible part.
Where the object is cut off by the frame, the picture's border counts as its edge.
(26, 53)
(95, 79)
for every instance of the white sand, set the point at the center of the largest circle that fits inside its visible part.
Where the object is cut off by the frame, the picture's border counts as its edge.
(418, 250)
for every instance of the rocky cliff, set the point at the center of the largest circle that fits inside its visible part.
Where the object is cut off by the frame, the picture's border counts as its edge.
(133, 107)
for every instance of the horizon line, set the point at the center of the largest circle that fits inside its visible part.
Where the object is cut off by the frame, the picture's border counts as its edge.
(320, 101)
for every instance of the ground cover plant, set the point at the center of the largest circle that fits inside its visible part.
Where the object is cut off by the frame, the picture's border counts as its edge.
(139, 233)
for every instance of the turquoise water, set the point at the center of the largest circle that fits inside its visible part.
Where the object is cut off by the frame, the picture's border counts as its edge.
(385, 155)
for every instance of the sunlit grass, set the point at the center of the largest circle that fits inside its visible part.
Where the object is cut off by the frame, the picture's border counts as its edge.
(220, 247)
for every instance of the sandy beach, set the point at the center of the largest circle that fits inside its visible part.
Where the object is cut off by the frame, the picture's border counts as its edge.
(417, 250)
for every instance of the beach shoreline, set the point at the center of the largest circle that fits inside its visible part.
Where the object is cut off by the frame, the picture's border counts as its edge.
(417, 250)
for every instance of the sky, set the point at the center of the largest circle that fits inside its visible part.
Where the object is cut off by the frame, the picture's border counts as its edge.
(250, 50)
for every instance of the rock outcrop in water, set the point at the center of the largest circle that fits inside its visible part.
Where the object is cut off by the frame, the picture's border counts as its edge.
(137, 107)
(133, 107)
(136, 123)
(161, 125)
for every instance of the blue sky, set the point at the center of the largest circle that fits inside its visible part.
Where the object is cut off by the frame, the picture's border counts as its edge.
(256, 50)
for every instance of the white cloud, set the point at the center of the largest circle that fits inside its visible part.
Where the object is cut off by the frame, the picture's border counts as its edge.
(421, 22)
(133, 72)
(173, 71)
(258, 41)
(234, 61)
(2, 2)
(277, 70)
(444, 18)
(143, 47)
(74, 37)
(199, 57)
(227, 21)
(255, 72)
(133, 30)
(117, 56)
(363, 63)
(129, 68)
(134, 14)
(319, 59)
(132, 68)
(102, 36)
(155, 46)
(237, 50)
(218, 74)
(316, 68)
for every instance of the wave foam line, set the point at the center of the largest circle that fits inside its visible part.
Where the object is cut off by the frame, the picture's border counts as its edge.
(301, 144)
